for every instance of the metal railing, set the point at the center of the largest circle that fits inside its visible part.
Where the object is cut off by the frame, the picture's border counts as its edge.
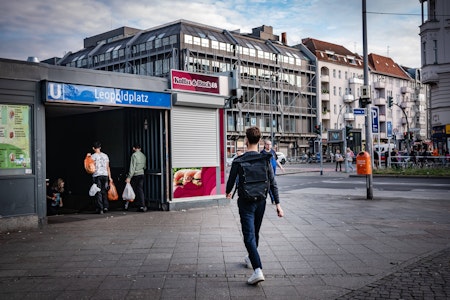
(405, 161)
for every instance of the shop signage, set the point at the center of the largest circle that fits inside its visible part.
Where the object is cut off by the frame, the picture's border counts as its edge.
(194, 82)
(74, 93)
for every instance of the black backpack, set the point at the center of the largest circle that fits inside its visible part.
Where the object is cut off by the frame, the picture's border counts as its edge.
(253, 172)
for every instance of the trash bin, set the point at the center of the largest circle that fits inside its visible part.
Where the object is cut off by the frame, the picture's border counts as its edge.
(363, 163)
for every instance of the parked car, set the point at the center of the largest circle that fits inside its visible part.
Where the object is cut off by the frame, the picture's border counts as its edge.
(230, 159)
(281, 157)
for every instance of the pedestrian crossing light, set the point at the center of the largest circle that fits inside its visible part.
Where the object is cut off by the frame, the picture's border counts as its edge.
(390, 101)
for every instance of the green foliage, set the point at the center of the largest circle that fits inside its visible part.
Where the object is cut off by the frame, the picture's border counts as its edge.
(432, 172)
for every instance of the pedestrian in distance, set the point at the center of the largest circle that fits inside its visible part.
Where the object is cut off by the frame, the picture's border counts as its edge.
(135, 176)
(273, 161)
(255, 178)
(101, 177)
(54, 196)
(339, 159)
(349, 155)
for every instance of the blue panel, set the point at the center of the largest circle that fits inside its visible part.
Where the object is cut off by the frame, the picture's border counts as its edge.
(63, 92)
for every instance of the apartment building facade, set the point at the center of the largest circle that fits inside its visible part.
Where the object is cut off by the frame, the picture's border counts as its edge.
(277, 81)
(435, 42)
(403, 122)
(401, 101)
(340, 74)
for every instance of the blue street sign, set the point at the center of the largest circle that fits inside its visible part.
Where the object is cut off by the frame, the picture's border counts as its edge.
(389, 129)
(375, 120)
(359, 111)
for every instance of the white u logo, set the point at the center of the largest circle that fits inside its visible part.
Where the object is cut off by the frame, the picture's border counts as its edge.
(55, 90)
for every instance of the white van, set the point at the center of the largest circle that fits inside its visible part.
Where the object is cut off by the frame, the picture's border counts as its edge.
(382, 148)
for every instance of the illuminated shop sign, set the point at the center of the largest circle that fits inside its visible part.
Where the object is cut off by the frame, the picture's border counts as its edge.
(73, 93)
(194, 82)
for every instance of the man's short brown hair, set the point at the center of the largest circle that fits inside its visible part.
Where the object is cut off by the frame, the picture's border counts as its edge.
(253, 135)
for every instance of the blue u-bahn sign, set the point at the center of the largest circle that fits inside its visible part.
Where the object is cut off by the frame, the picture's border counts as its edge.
(74, 93)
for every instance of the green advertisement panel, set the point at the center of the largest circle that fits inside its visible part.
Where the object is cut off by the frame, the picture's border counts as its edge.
(15, 137)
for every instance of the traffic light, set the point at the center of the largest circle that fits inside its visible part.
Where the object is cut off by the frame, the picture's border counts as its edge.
(237, 95)
(318, 129)
(348, 134)
(363, 102)
(390, 101)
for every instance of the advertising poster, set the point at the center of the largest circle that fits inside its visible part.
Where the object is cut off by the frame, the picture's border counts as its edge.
(194, 182)
(14, 137)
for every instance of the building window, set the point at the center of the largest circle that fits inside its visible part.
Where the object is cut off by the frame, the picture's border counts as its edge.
(435, 50)
(188, 39)
(424, 53)
(334, 73)
(339, 74)
(166, 41)
(334, 90)
(173, 39)
(340, 91)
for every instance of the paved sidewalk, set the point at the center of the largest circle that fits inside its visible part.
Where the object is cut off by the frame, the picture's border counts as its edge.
(330, 245)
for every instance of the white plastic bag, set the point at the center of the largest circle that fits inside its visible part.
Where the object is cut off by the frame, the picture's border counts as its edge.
(128, 193)
(93, 190)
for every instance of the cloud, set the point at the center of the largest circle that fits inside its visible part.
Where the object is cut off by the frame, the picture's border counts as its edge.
(53, 27)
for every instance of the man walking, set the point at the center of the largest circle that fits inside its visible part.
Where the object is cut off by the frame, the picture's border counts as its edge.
(136, 172)
(273, 161)
(255, 179)
(101, 177)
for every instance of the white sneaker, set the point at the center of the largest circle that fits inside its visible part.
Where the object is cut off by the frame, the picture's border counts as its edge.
(256, 277)
(248, 263)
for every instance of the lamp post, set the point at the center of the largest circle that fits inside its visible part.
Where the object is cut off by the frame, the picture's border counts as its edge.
(369, 177)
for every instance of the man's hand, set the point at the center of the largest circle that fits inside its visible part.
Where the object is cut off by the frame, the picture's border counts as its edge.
(128, 180)
(228, 195)
(280, 211)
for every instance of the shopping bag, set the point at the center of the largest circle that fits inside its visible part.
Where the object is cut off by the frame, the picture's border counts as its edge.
(112, 192)
(89, 164)
(93, 190)
(128, 193)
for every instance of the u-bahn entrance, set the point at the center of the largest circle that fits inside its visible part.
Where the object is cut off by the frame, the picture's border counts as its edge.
(72, 129)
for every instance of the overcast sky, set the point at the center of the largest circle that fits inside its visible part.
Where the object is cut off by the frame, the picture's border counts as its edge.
(49, 28)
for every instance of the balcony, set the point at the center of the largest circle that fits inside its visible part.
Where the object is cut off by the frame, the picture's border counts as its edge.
(355, 80)
(381, 118)
(379, 85)
(349, 98)
(325, 78)
(379, 101)
(406, 89)
(326, 115)
(406, 104)
(349, 117)
(325, 96)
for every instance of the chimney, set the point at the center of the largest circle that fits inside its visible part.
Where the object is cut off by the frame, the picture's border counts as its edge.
(283, 38)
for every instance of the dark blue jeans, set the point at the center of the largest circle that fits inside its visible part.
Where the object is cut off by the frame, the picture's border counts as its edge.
(101, 199)
(252, 214)
(137, 182)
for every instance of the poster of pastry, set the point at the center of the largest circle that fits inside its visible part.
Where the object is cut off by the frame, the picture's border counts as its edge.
(194, 182)
(14, 136)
